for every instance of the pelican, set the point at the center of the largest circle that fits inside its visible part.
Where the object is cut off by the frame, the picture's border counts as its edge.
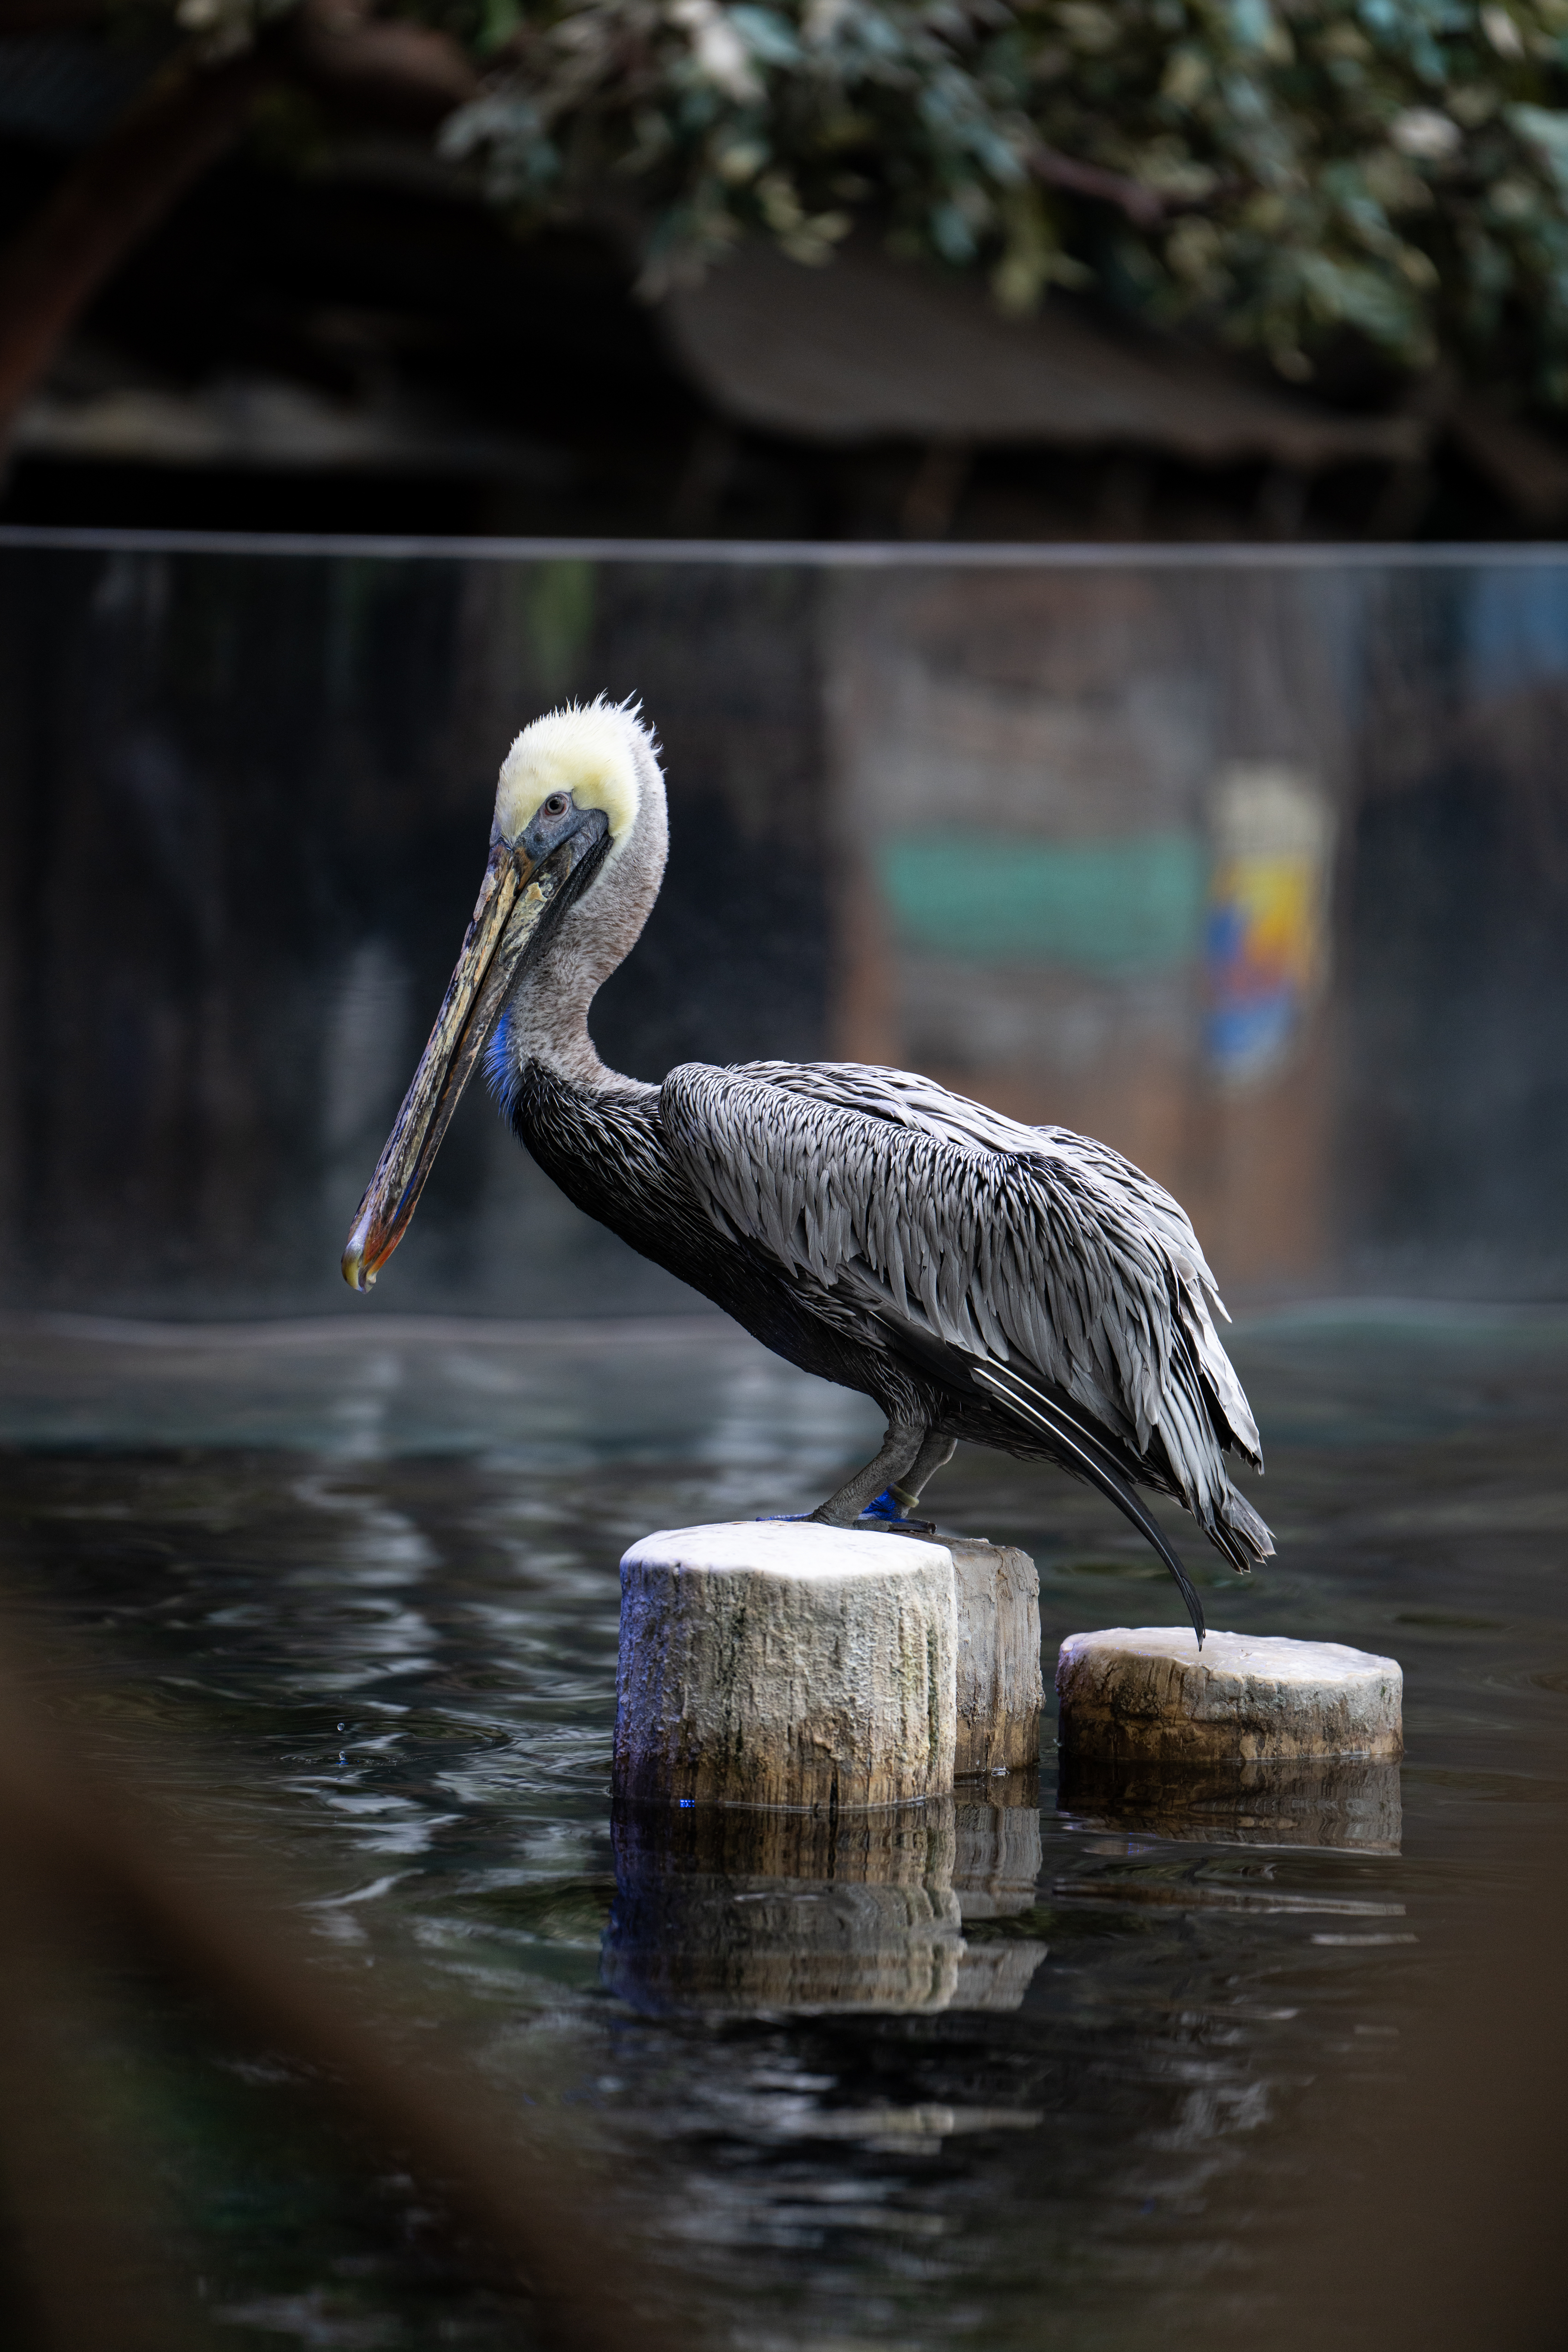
(1022, 1287)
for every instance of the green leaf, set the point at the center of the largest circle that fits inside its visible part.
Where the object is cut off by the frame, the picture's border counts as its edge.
(1544, 131)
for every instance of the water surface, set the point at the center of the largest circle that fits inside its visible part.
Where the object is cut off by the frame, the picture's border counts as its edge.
(363, 1582)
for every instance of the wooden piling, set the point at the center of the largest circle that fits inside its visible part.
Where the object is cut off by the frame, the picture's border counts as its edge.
(1000, 1688)
(783, 1663)
(1150, 1691)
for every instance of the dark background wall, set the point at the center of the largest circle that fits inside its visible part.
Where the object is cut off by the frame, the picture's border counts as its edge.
(246, 812)
(1454, 1123)
(244, 804)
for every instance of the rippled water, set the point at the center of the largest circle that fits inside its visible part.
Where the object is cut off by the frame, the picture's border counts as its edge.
(364, 1580)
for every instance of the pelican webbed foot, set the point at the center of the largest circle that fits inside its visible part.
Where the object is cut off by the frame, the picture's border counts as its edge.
(889, 1489)
(900, 1451)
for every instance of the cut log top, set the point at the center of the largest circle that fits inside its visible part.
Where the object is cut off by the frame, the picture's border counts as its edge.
(790, 1548)
(1149, 1691)
(1227, 1657)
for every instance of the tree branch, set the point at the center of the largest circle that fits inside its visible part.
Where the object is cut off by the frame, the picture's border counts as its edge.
(1141, 205)
(399, 72)
(115, 194)
(108, 202)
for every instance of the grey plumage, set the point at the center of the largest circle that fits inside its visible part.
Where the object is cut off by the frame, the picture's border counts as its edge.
(1023, 1286)
(1030, 1246)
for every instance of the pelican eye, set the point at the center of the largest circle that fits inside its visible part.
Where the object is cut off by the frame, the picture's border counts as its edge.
(556, 805)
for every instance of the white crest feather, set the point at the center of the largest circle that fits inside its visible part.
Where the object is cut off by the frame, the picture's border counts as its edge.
(593, 750)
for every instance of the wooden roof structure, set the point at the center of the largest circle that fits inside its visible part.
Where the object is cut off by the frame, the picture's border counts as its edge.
(867, 349)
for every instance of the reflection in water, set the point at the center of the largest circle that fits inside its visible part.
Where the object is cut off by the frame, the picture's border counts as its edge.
(1328, 1801)
(728, 1909)
(748, 1911)
(1070, 2054)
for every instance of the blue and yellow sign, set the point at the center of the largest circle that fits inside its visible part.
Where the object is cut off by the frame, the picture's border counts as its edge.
(1267, 944)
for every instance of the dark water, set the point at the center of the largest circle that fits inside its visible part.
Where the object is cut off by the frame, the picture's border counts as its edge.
(363, 1583)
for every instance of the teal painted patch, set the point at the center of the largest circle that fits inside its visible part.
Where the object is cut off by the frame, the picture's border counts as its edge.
(1107, 907)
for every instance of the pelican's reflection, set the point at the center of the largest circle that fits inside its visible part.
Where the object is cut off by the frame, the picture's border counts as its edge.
(728, 1909)
(1342, 1801)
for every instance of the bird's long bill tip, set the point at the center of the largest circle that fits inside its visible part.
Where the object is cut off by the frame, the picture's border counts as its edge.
(500, 929)
(356, 1274)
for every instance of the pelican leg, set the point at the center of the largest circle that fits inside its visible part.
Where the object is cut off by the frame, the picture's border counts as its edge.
(936, 1452)
(902, 1446)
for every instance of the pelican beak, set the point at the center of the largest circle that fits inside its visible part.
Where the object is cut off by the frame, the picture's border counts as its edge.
(518, 903)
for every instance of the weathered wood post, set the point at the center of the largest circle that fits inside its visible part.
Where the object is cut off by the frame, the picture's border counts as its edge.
(1000, 1689)
(1254, 1740)
(783, 1662)
(792, 1703)
(1154, 1692)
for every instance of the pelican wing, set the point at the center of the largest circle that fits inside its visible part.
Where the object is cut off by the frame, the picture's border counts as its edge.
(1036, 1255)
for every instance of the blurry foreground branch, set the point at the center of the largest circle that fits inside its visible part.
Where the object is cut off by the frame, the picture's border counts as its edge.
(84, 1865)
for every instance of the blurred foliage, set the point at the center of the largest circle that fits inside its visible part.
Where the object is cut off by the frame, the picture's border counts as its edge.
(1274, 171)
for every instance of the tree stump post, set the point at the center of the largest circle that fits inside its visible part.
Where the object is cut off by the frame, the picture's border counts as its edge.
(1000, 1689)
(783, 1662)
(1151, 1693)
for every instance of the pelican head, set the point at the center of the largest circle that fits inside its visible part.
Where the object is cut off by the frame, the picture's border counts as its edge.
(578, 789)
(585, 761)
